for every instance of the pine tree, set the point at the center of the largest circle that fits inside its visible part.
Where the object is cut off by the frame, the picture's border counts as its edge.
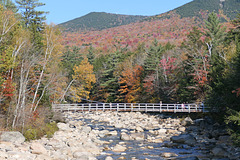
(33, 19)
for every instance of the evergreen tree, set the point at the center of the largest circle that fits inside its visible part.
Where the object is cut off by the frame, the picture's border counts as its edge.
(33, 19)
(8, 4)
(91, 55)
(194, 82)
(109, 81)
(152, 71)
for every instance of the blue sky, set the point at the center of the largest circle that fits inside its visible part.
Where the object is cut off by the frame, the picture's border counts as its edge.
(65, 10)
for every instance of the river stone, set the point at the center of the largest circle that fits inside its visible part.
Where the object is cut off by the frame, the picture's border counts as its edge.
(82, 155)
(219, 152)
(108, 158)
(184, 139)
(45, 157)
(125, 137)
(63, 126)
(37, 148)
(3, 155)
(181, 129)
(138, 136)
(14, 137)
(162, 131)
(119, 148)
(187, 121)
(86, 129)
(168, 155)
(139, 129)
(112, 133)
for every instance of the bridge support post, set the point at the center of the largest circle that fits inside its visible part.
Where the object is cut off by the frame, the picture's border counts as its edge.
(89, 107)
(103, 106)
(131, 107)
(117, 107)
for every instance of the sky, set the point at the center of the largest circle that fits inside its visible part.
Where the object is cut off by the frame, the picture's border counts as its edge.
(64, 10)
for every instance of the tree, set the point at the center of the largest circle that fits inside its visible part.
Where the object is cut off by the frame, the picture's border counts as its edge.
(130, 84)
(196, 66)
(83, 81)
(33, 19)
(152, 69)
(8, 4)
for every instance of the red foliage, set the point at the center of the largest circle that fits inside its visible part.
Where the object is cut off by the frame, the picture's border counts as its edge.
(237, 91)
(168, 65)
(172, 30)
(8, 88)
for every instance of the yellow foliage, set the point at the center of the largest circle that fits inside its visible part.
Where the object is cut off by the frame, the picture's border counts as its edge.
(84, 78)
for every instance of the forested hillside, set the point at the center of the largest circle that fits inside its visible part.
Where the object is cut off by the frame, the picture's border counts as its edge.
(99, 21)
(226, 9)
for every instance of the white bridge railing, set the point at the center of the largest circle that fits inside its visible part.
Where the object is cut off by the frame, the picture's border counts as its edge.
(132, 107)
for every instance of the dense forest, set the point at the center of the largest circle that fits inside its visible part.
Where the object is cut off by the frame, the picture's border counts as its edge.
(191, 62)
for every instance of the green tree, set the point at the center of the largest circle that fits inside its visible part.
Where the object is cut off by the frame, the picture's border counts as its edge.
(152, 70)
(195, 67)
(8, 4)
(33, 19)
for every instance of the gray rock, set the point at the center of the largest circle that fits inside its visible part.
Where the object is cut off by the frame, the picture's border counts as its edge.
(184, 139)
(219, 152)
(16, 137)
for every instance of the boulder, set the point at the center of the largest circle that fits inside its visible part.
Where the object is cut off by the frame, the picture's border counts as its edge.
(63, 126)
(162, 131)
(187, 121)
(83, 155)
(168, 155)
(184, 139)
(125, 137)
(108, 158)
(181, 129)
(38, 148)
(112, 133)
(119, 148)
(137, 136)
(86, 129)
(14, 137)
(139, 129)
(219, 151)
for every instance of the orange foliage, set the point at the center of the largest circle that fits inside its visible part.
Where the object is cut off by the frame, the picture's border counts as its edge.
(130, 83)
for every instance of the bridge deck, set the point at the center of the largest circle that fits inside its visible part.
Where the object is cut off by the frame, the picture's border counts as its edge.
(129, 107)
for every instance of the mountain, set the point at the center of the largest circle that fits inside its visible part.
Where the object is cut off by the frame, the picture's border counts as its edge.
(99, 21)
(227, 9)
(170, 27)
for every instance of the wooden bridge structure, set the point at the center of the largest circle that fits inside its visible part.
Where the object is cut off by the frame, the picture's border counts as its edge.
(130, 107)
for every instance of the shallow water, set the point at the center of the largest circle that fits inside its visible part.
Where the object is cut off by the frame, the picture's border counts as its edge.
(141, 149)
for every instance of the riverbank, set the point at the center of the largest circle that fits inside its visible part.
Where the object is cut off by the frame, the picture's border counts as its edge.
(126, 135)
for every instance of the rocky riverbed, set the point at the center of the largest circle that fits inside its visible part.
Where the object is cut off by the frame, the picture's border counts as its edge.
(124, 135)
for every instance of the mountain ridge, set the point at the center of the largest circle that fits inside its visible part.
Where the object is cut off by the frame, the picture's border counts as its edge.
(99, 21)
(226, 9)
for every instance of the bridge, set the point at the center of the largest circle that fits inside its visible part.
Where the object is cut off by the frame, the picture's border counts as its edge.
(130, 107)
